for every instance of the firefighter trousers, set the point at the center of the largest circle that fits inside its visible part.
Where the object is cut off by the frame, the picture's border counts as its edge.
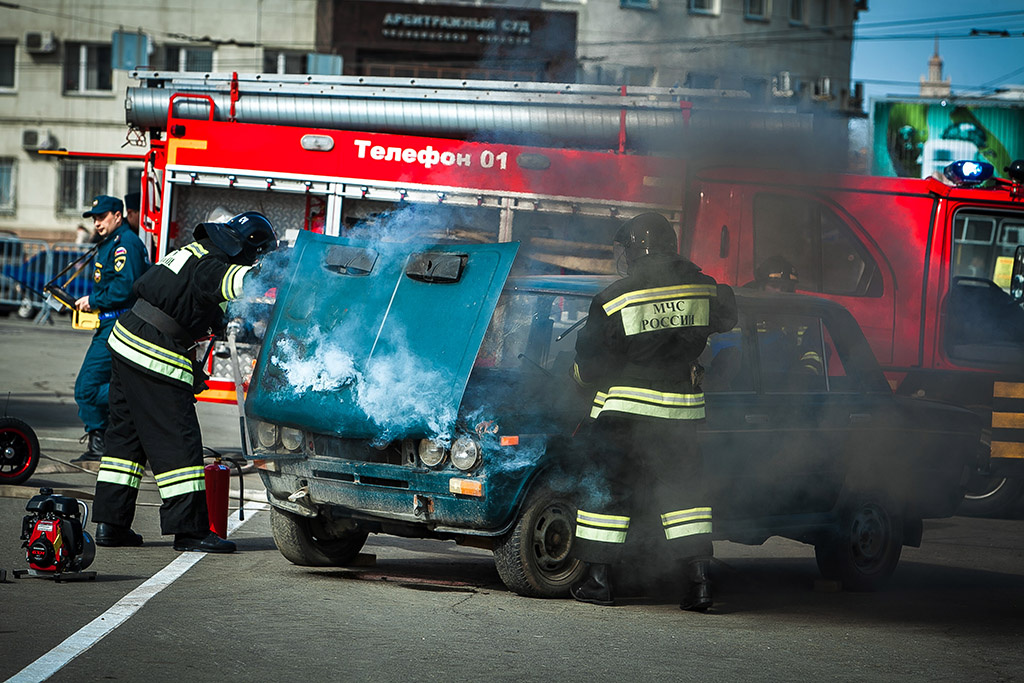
(154, 421)
(641, 467)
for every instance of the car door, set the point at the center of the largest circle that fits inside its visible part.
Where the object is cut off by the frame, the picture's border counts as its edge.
(776, 443)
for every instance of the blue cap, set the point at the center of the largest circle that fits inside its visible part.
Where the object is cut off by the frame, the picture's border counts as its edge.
(103, 203)
(131, 201)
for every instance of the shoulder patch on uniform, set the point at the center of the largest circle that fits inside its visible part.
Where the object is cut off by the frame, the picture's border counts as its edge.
(120, 251)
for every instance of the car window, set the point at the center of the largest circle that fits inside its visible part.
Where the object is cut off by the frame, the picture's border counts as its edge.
(526, 328)
(790, 353)
(809, 234)
(726, 362)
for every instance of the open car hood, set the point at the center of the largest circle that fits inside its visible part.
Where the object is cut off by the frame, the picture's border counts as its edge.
(376, 340)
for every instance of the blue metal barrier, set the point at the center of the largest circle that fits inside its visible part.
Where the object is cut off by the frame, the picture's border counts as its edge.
(28, 265)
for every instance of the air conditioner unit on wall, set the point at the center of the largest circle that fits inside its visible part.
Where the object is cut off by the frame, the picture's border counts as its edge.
(33, 139)
(782, 85)
(40, 42)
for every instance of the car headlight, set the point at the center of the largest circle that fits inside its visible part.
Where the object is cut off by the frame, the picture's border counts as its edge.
(291, 438)
(431, 452)
(266, 434)
(465, 453)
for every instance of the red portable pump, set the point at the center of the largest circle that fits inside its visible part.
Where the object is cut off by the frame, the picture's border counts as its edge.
(56, 542)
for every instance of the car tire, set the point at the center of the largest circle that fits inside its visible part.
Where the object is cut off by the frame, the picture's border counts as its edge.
(315, 541)
(991, 496)
(533, 559)
(19, 451)
(865, 549)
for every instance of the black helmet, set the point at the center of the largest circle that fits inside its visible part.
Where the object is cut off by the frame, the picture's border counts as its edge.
(776, 271)
(243, 237)
(645, 235)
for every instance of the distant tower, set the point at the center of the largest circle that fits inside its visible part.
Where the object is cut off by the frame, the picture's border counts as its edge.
(934, 86)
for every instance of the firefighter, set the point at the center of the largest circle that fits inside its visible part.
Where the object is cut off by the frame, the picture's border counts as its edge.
(639, 348)
(776, 274)
(155, 377)
(120, 259)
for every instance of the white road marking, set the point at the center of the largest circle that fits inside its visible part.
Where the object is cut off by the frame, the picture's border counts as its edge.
(90, 634)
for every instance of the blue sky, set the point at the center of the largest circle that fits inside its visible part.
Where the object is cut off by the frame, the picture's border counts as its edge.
(895, 39)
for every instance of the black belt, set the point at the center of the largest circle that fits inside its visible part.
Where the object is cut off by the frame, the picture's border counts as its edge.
(163, 322)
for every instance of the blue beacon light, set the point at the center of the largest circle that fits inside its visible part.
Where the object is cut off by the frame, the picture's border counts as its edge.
(968, 173)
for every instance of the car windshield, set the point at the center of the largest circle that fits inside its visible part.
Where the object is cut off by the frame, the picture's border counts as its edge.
(527, 328)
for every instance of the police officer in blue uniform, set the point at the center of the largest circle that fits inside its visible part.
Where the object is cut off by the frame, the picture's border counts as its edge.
(120, 259)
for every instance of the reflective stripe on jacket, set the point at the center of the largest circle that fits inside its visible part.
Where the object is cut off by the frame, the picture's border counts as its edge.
(189, 285)
(643, 336)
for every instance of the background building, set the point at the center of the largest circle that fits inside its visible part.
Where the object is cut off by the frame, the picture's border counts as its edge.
(63, 74)
(791, 52)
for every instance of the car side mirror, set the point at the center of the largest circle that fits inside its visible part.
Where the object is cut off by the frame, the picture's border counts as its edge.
(1017, 278)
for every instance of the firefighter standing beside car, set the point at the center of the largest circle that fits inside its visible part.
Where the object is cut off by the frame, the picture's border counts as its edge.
(155, 377)
(120, 259)
(639, 349)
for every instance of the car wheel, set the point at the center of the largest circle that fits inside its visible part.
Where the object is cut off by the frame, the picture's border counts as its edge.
(19, 451)
(991, 496)
(533, 558)
(864, 551)
(315, 541)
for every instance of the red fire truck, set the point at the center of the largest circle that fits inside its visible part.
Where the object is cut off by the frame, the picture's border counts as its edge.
(924, 265)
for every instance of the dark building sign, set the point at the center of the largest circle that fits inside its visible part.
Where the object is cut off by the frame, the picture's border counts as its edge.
(406, 39)
(487, 30)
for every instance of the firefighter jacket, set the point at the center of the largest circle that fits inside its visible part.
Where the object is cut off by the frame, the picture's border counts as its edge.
(643, 336)
(188, 286)
(120, 260)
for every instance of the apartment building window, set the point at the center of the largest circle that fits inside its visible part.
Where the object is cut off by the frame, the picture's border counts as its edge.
(757, 10)
(6, 185)
(705, 6)
(7, 50)
(701, 81)
(825, 13)
(284, 62)
(79, 182)
(638, 4)
(796, 13)
(181, 58)
(757, 87)
(87, 68)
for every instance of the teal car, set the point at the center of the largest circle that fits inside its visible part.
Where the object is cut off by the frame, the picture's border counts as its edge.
(422, 391)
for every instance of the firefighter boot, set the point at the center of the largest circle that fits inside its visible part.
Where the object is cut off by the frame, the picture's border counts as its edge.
(114, 536)
(200, 543)
(595, 588)
(97, 447)
(698, 591)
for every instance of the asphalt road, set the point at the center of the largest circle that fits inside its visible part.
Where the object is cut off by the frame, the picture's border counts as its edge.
(421, 610)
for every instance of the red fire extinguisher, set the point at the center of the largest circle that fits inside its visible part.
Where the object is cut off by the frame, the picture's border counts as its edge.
(218, 479)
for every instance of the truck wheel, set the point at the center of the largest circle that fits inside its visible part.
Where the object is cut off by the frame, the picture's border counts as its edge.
(864, 551)
(533, 557)
(991, 496)
(315, 542)
(19, 451)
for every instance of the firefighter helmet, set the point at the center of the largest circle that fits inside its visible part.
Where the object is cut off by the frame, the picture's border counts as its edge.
(776, 272)
(645, 235)
(243, 237)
